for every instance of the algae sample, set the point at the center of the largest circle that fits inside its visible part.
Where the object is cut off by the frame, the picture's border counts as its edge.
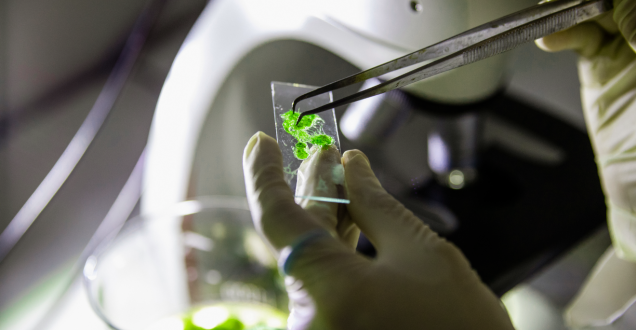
(308, 130)
(301, 150)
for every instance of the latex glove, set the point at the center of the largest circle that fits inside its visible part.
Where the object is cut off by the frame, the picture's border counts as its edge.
(417, 281)
(607, 70)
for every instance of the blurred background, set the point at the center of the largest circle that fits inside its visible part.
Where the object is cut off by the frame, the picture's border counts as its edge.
(80, 86)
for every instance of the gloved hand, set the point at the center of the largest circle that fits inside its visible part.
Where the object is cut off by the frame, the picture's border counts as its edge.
(417, 281)
(607, 70)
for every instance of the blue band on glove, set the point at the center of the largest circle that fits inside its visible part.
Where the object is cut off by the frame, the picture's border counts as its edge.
(289, 253)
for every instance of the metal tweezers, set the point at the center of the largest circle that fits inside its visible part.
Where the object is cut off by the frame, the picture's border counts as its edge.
(474, 45)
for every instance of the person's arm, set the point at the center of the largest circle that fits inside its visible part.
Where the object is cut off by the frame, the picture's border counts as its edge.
(607, 70)
(417, 281)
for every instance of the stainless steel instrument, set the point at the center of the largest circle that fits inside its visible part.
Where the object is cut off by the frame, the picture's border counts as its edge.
(474, 45)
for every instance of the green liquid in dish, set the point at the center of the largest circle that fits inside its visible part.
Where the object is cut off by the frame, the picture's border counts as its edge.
(226, 316)
(309, 130)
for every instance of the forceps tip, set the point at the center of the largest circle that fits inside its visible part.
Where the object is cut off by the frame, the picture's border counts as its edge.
(300, 116)
(293, 106)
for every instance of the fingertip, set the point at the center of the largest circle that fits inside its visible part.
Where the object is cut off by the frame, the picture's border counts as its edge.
(542, 45)
(329, 152)
(260, 144)
(250, 145)
(358, 172)
(363, 187)
(349, 155)
(585, 38)
(258, 136)
(553, 43)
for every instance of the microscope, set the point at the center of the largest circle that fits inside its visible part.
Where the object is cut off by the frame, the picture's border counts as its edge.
(510, 185)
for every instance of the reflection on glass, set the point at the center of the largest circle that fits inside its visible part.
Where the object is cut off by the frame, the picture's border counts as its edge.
(230, 275)
(456, 179)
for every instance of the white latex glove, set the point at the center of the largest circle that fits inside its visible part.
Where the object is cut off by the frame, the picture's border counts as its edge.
(607, 70)
(417, 281)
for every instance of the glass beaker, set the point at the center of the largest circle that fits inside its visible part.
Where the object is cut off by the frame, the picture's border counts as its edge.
(200, 265)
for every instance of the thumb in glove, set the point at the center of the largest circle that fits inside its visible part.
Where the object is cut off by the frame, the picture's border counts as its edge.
(418, 279)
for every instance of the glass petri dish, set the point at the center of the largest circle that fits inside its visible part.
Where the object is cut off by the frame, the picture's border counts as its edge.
(199, 265)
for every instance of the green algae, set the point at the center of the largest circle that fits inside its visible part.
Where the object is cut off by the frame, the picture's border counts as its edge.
(301, 150)
(322, 140)
(308, 130)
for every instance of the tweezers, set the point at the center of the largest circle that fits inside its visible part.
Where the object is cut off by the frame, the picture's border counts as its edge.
(474, 45)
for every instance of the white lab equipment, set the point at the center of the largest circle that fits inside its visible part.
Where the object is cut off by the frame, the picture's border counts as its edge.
(363, 33)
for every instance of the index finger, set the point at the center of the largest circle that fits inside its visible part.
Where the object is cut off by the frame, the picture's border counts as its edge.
(585, 39)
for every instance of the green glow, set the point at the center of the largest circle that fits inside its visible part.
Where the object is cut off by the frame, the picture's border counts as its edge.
(226, 316)
(210, 317)
(309, 130)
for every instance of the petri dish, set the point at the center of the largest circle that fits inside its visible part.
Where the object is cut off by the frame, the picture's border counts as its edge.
(220, 274)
